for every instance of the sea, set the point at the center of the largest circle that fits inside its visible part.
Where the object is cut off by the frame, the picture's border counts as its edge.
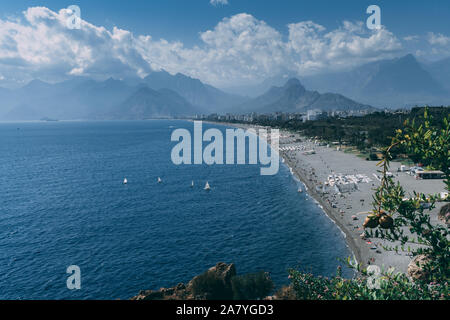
(63, 203)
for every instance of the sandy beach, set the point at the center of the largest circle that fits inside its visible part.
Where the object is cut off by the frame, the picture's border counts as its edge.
(349, 208)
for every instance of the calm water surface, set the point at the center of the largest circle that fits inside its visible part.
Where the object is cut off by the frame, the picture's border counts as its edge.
(62, 202)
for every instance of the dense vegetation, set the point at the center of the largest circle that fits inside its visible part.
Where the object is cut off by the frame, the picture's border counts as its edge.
(372, 130)
(306, 286)
(427, 140)
(424, 136)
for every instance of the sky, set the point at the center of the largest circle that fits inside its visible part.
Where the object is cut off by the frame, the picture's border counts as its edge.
(221, 42)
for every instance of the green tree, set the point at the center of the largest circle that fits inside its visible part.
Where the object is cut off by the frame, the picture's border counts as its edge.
(426, 141)
(431, 146)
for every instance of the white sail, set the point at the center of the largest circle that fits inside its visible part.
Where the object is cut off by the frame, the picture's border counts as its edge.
(125, 181)
(192, 185)
(159, 180)
(207, 187)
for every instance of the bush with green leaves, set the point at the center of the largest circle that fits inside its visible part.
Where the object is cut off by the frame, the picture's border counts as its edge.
(393, 211)
(210, 286)
(251, 286)
(392, 286)
(430, 146)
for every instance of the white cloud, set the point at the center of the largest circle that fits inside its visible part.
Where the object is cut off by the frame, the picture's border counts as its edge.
(438, 46)
(316, 50)
(43, 46)
(438, 39)
(218, 2)
(238, 49)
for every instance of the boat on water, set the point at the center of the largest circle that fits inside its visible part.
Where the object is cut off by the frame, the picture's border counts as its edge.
(207, 187)
(192, 184)
(300, 190)
(159, 180)
(125, 181)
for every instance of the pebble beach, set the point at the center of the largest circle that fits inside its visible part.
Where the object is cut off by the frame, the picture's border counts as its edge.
(316, 165)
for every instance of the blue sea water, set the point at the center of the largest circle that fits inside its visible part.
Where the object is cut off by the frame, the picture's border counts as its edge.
(62, 202)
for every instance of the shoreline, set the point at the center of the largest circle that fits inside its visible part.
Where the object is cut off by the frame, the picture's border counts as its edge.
(327, 210)
(325, 207)
(348, 207)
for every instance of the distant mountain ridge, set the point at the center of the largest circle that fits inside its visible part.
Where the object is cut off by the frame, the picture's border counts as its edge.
(293, 97)
(83, 98)
(402, 75)
(148, 103)
(393, 83)
(441, 72)
(193, 90)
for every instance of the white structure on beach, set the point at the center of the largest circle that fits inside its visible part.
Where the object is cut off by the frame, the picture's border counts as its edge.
(346, 183)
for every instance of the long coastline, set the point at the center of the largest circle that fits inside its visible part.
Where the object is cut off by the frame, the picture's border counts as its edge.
(325, 206)
(302, 176)
(348, 210)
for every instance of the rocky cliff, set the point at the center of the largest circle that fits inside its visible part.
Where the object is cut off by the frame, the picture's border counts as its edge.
(222, 273)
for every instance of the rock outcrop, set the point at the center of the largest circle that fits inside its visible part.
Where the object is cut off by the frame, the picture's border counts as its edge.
(196, 289)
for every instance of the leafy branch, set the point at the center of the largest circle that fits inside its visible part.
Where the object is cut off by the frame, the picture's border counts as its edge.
(392, 211)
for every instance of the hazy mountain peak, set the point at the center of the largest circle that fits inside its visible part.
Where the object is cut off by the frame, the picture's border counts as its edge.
(144, 90)
(293, 82)
(194, 91)
(293, 97)
(404, 76)
(408, 60)
(409, 57)
(398, 82)
(441, 72)
(149, 103)
(294, 88)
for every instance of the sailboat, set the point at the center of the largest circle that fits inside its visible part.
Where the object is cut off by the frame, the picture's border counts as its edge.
(125, 181)
(207, 187)
(159, 180)
(192, 185)
(300, 190)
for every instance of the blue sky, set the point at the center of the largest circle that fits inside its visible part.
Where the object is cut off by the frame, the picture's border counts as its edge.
(241, 41)
(184, 19)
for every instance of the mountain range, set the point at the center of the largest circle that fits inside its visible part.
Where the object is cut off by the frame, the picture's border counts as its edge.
(441, 72)
(293, 97)
(160, 94)
(149, 103)
(193, 90)
(400, 82)
(396, 83)
(393, 83)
